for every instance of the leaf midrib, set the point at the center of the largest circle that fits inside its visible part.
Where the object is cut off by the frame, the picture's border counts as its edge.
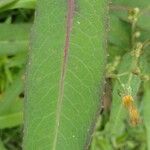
(69, 22)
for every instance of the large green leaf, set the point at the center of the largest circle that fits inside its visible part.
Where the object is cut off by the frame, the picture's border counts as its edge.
(65, 73)
(14, 38)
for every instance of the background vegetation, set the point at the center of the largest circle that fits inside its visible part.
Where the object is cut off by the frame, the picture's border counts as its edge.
(129, 27)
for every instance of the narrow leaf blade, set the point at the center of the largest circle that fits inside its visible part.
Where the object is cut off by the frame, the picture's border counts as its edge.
(146, 111)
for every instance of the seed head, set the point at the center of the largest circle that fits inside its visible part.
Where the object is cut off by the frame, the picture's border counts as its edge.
(127, 101)
(134, 116)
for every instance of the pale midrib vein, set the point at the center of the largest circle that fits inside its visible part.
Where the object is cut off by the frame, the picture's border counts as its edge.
(63, 69)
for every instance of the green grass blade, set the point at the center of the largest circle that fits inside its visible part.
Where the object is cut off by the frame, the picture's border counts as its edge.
(16, 4)
(28, 4)
(4, 3)
(11, 96)
(11, 120)
(64, 84)
(11, 106)
(2, 146)
(14, 38)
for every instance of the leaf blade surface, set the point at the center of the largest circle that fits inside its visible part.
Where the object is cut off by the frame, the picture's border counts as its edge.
(65, 73)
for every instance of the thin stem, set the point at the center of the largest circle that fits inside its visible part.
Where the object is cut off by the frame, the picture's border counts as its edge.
(132, 34)
(122, 74)
(119, 81)
(132, 45)
(146, 43)
(129, 79)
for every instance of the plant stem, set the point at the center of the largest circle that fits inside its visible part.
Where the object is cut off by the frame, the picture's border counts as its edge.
(132, 34)
(122, 74)
(146, 43)
(129, 79)
(119, 81)
(132, 46)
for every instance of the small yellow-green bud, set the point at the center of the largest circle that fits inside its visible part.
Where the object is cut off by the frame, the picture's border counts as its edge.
(137, 34)
(135, 19)
(136, 10)
(130, 18)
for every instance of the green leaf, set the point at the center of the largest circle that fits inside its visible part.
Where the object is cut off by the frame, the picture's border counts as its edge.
(118, 114)
(6, 2)
(133, 3)
(11, 105)
(14, 38)
(11, 120)
(29, 4)
(2, 146)
(119, 33)
(114, 51)
(65, 73)
(18, 60)
(11, 94)
(145, 61)
(26, 4)
(146, 112)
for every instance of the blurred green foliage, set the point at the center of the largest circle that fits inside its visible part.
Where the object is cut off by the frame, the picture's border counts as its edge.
(16, 17)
